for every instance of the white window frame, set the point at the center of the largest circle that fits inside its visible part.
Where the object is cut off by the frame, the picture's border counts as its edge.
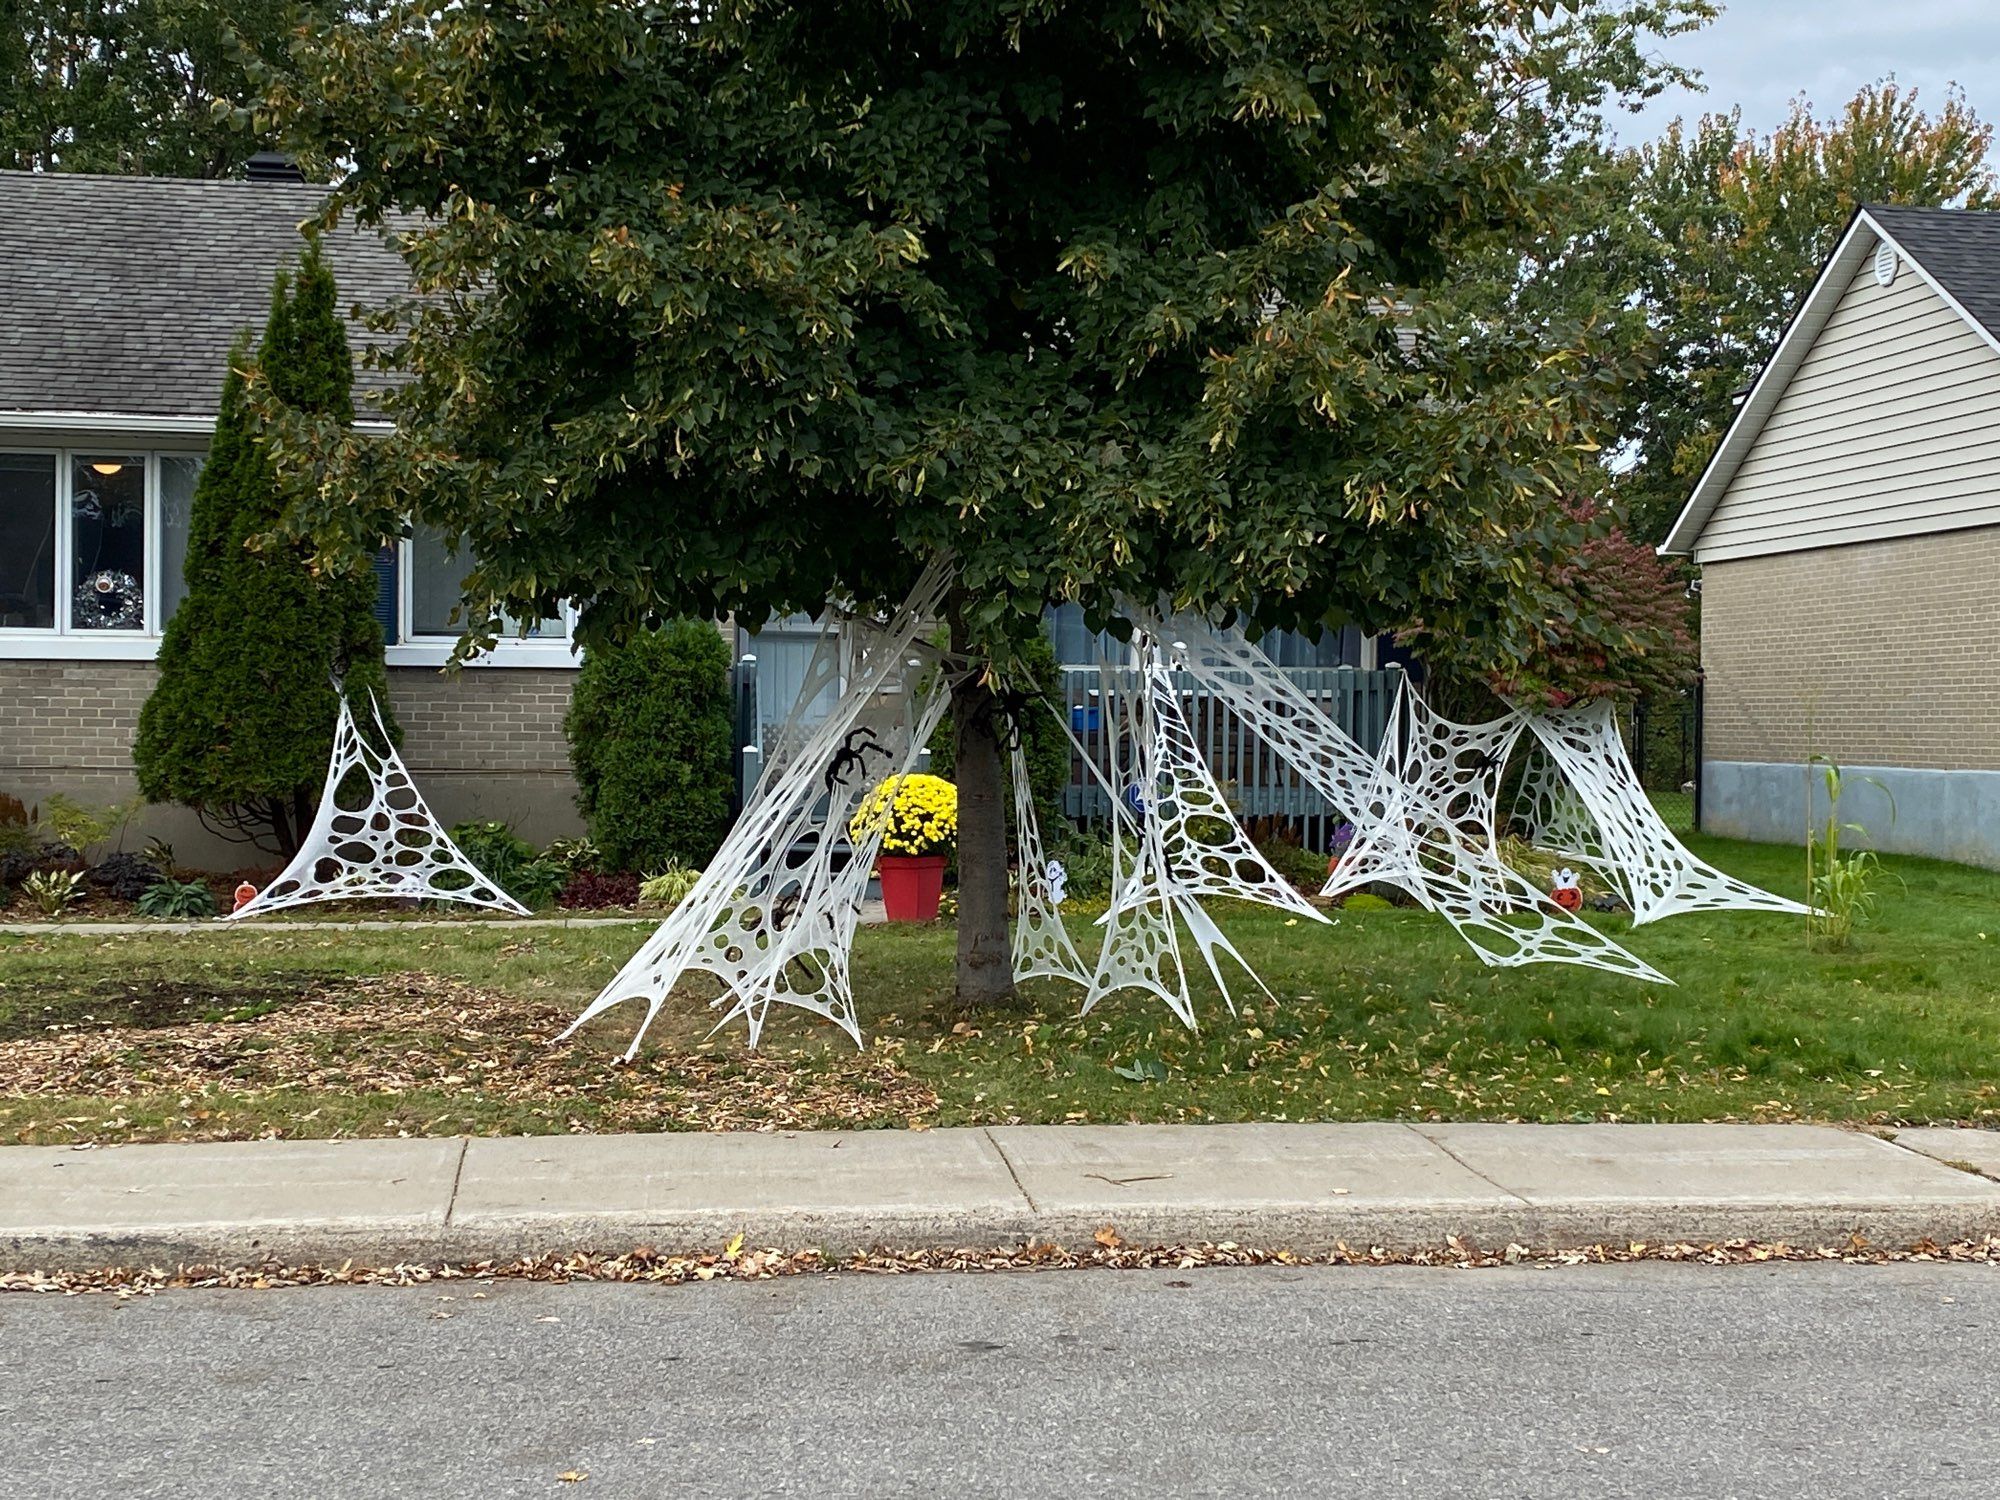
(64, 642)
(413, 650)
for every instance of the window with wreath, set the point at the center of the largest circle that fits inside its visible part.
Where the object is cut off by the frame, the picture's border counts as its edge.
(93, 543)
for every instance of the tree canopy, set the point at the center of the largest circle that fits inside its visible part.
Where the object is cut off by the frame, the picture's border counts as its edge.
(133, 85)
(738, 308)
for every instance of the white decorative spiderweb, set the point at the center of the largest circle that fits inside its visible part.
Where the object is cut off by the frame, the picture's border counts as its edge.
(374, 837)
(1602, 816)
(1206, 851)
(1547, 812)
(775, 913)
(1042, 945)
(1426, 838)
(1141, 949)
(1173, 842)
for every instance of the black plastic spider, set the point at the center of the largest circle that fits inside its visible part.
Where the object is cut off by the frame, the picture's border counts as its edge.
(853, 756)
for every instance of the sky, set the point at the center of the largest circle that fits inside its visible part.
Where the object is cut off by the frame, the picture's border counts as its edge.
(1760, 53)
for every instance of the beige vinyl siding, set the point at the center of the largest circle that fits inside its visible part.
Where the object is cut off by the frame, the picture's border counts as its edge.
(1890, 427)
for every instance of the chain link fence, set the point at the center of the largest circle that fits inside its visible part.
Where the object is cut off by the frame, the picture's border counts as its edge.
(1663, 737)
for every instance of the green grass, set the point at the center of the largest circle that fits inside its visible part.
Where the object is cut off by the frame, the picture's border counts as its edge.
(1385, 1015)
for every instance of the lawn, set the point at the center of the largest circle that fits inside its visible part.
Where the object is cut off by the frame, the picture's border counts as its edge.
(1384, 1015)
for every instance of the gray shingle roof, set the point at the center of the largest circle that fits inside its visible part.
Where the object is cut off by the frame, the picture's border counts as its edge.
(1959, 246)
(123, 294)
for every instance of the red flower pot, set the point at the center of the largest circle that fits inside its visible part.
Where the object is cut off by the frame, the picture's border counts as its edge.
(912, 885)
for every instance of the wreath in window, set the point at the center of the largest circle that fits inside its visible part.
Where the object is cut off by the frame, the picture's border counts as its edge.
(108, 600)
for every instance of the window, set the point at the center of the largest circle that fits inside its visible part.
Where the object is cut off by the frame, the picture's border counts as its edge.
(93, 563)
(27, 542)
(178, 474)
(433, 582)
(107, 548)
(92, 547)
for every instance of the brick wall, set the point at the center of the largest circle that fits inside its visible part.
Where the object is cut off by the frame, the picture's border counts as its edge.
(1878, 654)
(486, 744)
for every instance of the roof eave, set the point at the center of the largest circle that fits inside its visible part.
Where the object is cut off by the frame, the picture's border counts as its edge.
(1808, 318)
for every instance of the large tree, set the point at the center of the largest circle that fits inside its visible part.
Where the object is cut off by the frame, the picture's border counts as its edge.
(240, 725)
(135, 85)
(740, 307)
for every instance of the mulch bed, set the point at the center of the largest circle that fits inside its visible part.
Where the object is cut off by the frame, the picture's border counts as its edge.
(446, 1039)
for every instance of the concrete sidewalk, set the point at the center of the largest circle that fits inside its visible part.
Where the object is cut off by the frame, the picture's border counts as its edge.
(1305, 1187)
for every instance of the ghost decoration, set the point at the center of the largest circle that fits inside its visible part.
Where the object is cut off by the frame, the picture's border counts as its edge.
(1568, 894)
(1058, 879)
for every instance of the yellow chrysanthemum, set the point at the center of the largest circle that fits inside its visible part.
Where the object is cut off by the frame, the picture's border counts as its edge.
(916, 815)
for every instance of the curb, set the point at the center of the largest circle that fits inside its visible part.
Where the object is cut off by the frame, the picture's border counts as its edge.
(1311, 1189)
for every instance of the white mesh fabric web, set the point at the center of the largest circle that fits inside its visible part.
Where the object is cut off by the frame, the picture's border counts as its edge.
(1548, 813)
(1280, 714)
(1206, 851)
(1453, 865)
(1172, 862)
(1405, 834)
(1627, 840)
(774, 914)
(1042, 945)
(1141, 949)
(1451, 771)
(380, 841)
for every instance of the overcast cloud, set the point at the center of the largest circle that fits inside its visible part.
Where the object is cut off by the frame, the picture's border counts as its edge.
(1761, 53)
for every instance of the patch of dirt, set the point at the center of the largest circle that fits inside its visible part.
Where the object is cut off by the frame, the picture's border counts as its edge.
(415, 1032)
(114, 1005)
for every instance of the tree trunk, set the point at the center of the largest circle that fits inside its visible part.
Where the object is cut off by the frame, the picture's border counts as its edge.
(985, 958)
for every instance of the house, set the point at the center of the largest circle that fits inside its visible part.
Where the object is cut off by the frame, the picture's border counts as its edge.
(123, 295)
(1848, 531)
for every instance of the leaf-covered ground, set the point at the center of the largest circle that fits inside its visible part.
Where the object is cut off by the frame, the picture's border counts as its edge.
(1383, 1015)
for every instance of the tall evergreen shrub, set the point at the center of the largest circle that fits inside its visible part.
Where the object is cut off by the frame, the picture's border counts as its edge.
(240, 723)
(649, 733)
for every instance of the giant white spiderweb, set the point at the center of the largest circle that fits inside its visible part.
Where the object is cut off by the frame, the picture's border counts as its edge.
(1417, 823)
(1581, 797)
(774, 914)
(373, 836)
(1174, 840)
(1042, 944)
(1205, 850)
(1429, 831)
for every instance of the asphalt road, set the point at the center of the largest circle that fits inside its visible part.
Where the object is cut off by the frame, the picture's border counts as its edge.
(1647, 1381)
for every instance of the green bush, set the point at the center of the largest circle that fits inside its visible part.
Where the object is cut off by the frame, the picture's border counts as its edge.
(1086, 862)
(510, 861)
(649, 734)
(669, 887)
(54, 891)
(1299, 865)
(177, 898)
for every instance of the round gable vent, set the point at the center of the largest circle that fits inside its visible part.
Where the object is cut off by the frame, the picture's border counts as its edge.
(1885, 263)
